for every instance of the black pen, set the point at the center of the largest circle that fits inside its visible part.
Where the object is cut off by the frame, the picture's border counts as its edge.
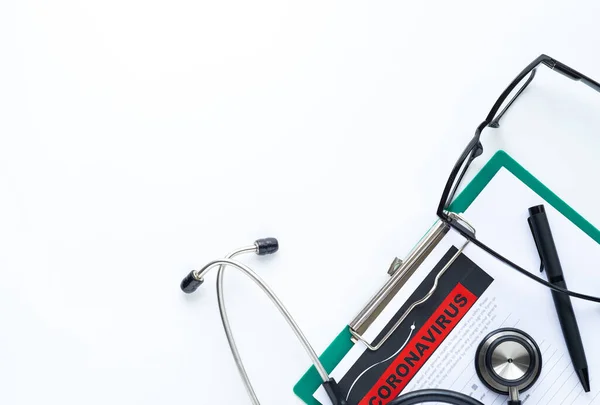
(540, 228)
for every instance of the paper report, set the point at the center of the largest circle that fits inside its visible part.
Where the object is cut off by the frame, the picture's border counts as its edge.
(434, 347)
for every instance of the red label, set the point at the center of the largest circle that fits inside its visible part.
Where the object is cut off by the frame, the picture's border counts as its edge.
(421, 347)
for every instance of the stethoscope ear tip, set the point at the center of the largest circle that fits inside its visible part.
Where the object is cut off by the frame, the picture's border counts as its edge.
(191, 283)
(194, 279)
(266, 246)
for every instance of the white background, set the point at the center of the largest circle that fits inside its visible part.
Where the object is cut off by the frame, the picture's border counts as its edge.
(140, 139)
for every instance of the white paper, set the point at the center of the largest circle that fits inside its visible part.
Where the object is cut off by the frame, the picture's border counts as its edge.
(499, 215)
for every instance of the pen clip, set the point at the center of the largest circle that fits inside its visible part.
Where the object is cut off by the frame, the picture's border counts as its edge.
(537, 247)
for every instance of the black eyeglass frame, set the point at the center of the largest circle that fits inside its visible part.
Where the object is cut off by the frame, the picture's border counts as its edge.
(475, 149)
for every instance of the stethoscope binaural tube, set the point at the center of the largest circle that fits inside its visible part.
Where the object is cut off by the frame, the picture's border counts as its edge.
(261, 247)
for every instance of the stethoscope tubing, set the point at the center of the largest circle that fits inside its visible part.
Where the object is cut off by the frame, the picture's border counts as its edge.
(227, 327)
(435, 395)
(222, 263)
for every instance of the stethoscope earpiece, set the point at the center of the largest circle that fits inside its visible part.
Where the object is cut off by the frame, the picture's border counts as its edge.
(262, 247)
(266, 246)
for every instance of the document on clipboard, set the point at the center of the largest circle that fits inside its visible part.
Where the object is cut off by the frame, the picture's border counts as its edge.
(434, 346)
(386, 349)
(370, 377)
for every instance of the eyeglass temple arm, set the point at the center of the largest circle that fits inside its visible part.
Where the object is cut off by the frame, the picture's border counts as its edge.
(496, 122)
(572, 74)
(556, 66)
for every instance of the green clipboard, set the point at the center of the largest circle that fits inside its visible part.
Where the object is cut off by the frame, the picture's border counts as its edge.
(310, 382)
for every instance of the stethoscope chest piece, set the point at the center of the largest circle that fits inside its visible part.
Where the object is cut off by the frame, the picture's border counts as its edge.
(508, 361)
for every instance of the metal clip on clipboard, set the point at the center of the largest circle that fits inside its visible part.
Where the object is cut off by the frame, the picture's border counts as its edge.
(400, 272)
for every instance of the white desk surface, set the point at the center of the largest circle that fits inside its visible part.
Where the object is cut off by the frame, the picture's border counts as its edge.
(142, 139)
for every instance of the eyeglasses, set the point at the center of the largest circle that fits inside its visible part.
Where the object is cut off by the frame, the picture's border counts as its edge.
(474, 149)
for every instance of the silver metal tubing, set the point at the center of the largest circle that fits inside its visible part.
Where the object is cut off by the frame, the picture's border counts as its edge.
(284, 312)
(227, 327)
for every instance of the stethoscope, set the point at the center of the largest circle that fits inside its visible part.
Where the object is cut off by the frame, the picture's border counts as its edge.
(507, 361)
